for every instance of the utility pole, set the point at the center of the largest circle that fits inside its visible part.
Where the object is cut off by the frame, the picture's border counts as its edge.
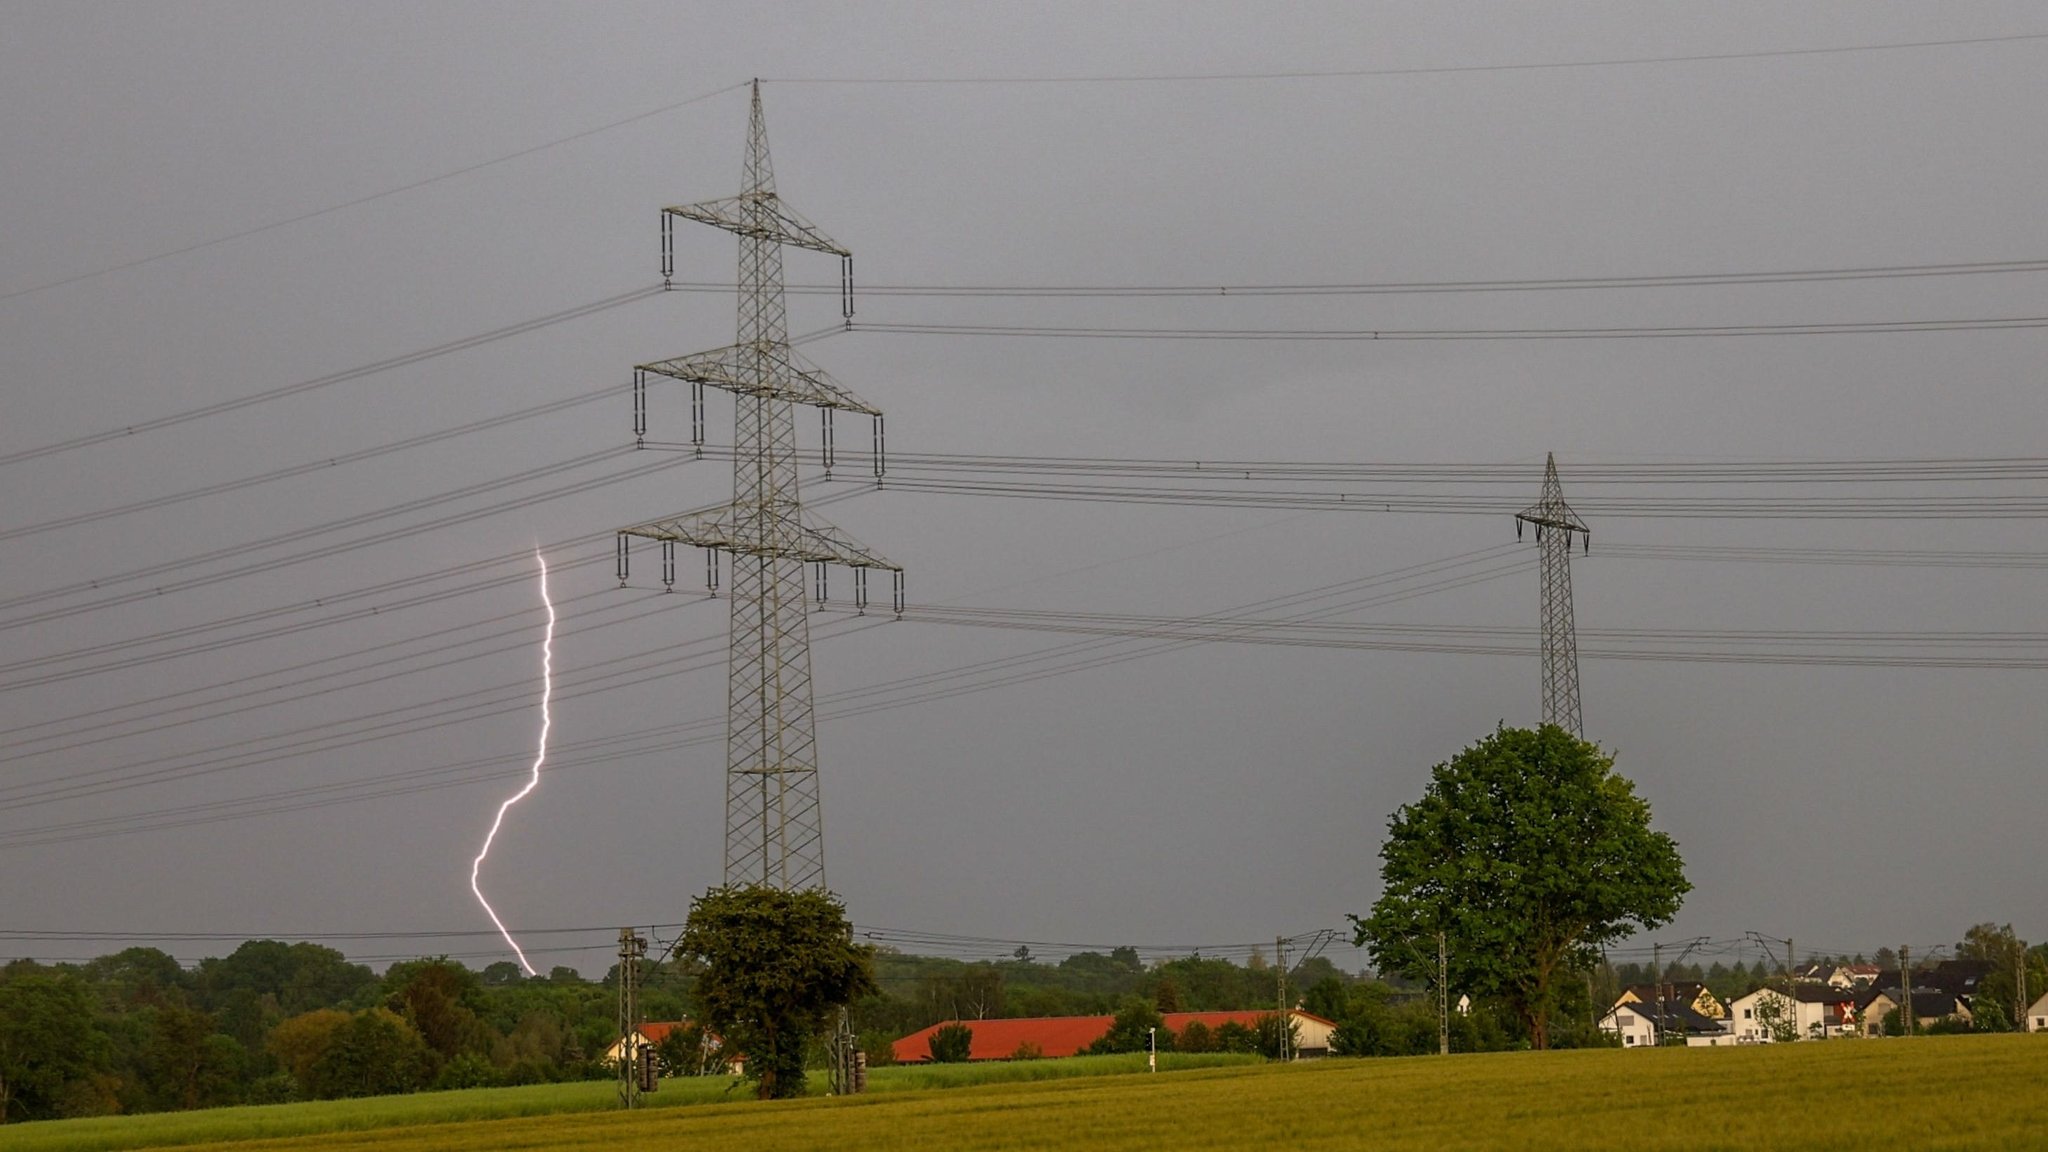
(848, 1062)
(633, 1065)
(1555, 522)
(1906, 989)
(2019, 975)
(1443, 996)
(1657, 986)
(1280, 982)
(774, 825)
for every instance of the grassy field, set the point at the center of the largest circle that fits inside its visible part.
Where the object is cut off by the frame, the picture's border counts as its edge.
(276, 1121)
(1960, 1092)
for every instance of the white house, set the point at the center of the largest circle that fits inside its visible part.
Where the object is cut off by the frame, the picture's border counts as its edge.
(2037, 1016)
(1814, 1012)
(1637, 1025)
(652, 1033)
(1633, 1023)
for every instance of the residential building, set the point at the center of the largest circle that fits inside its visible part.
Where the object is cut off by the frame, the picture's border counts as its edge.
(1054, 1036)
(1821, 974)
(1813, 1012)
(1929, 1006)
(2037, 1016)
(1958, 978)
(652, 1033)
(1690, 993)
(1640, 1025)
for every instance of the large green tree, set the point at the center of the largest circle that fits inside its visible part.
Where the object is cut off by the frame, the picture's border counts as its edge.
(48, 1044)
(1999, 1003)
(1526, 853)
(775, 966)
(1136, 1027)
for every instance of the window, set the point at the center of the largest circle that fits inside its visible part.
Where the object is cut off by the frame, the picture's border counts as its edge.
(1749, 1014)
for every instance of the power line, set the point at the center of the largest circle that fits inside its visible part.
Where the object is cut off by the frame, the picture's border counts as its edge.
(262, 614)
(401, 783)
(1361, 637)
(334, 548)
(329, 601)
(1404, 287)
(359, 201)
(312, 466)
(453, 710)
(1509, 472)
(378, 672)
(1473, 504)
(1437, 70)
(1313, 335)
(345, 375)
(949, 683)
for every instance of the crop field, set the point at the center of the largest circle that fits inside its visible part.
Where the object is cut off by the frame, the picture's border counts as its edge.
(275, 1121)
(1975, 1092)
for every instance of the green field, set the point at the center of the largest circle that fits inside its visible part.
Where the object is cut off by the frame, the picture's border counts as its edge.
(1934, 1093)
(271, 1121)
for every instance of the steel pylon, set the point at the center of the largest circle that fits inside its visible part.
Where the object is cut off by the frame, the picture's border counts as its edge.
(774, 824)
(1555, 522)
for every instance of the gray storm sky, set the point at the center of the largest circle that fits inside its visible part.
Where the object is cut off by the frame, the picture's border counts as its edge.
(1213, 795)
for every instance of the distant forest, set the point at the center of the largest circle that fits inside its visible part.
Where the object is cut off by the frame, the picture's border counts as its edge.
(272, 1021)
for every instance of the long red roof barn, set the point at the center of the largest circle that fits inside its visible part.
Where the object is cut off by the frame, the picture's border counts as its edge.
(1059, 1035)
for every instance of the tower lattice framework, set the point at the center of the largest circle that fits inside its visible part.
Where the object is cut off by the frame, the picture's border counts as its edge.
(774, 824)
(1555, 523)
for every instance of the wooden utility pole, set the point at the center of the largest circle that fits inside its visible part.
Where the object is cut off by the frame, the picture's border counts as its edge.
(2019, 978)
(1657, 989)
(1906, 989)
(1443, 996)
(1280, 984)
(632, 949)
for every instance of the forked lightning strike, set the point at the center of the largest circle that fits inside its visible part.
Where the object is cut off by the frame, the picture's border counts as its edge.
(547, 688)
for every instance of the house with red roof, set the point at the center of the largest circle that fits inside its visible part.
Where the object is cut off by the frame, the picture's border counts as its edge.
(1055, 1036)
(651, 1033)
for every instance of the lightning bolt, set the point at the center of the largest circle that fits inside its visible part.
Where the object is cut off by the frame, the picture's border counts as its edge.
(547, 688)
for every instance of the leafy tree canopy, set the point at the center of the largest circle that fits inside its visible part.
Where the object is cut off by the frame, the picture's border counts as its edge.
(1527, 852)
(775, 964)
(46, 1042)
(1134, 1029)
(951, 1044)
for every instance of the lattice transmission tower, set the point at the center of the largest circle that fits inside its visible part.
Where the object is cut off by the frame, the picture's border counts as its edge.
(774, 828)
(1555, 523)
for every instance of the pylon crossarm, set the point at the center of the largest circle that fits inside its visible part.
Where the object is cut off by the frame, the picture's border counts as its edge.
(797, 380)
(736, 530)
(762, 216)
(1564, 521)
(1550, 509)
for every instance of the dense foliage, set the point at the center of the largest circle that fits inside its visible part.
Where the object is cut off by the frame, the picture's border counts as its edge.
(775, 964)
(952, 1044)
(1525, 854)
(136, 1032)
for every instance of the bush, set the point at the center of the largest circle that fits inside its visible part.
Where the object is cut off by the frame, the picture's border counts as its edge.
(880, 1047)
(1277, 1035)
(1133, 1030)
(1230, 1036)
(376, 1054)
(468, 1070)
(952, 1044)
